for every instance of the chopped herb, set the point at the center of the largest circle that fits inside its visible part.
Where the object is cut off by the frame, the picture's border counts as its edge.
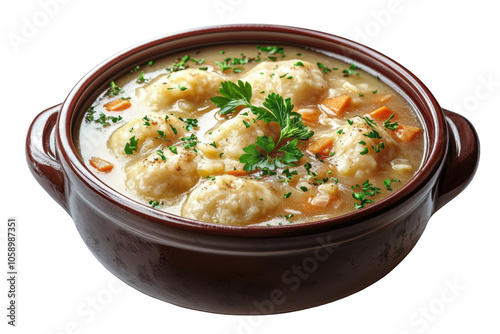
(367, 189)
(190, 123)
(162, 136)
(304, 189)
(350, 70)
(287, 195)
(155, 204)
(224, 65)
(340, 131)
(213, 144)
(365, 151)
(374, 91)
(203, 68)
(270, 49)
(115, 89)
(373, 134)
(173, 149)
(161, 154)
(247, 125)
(141, 78)
(150, 62)
(387, 183)
(389, 125)
(182, 88)
(179, 66)
(299, 63)
(131, 146)
(173, 129)
(146, 121)
(379, 147)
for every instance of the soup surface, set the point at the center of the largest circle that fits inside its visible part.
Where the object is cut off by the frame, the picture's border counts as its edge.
(250, 134)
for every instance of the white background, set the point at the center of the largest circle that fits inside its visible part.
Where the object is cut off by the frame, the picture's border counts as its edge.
(451, 46)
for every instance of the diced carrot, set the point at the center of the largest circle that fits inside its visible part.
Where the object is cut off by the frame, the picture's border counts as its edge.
(118, 105)
(337, 104)
(310, 116)
(101, 164)
(236, 172)
(406, 133)
(321, 146)
(381, 114)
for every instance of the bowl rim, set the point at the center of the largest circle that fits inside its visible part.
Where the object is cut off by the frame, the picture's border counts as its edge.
(72, 160)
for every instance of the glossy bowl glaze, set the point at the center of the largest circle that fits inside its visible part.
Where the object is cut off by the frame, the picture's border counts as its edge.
(254, 269)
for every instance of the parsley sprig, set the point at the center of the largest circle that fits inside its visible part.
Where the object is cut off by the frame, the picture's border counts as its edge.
(265, 154)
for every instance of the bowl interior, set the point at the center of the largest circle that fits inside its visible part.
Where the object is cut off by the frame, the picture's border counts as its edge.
(390, 72)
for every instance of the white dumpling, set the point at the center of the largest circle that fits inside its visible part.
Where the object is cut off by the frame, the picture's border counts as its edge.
(145, 130)
(348, 147)
(303, 84)
(192, 85)
(237, 133)
(155, 178)
(230, 200)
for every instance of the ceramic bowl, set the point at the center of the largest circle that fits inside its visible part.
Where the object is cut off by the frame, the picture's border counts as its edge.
(253, 269)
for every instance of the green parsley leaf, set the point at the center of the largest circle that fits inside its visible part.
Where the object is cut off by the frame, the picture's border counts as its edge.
(173, 149)
(161, 154)
(155, 204)
(115, 89)
(389, 125)
(233, 95)
(367, 189)
(131, 146)
(387, 183)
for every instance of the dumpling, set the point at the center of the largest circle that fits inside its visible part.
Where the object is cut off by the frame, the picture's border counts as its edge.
(303, 84)
(192, 85)
(230, 200)
(156, 178)
(237, 133)
(357, 153)
(145, 130)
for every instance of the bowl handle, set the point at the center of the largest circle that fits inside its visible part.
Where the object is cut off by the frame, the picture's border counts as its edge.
(461, 161)
(42, 160)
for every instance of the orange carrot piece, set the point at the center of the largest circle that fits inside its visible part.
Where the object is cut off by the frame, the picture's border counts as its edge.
(101, 164)
(237, 172)
(337, 104)
(321, 146)
(118, 105)
(381, 114)
(406, 133)
(310, 117)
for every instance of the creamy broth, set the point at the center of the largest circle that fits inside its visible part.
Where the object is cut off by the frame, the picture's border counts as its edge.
(160, 140)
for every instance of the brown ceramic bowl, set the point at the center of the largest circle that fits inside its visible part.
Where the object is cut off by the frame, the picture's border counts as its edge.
(255, 269)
